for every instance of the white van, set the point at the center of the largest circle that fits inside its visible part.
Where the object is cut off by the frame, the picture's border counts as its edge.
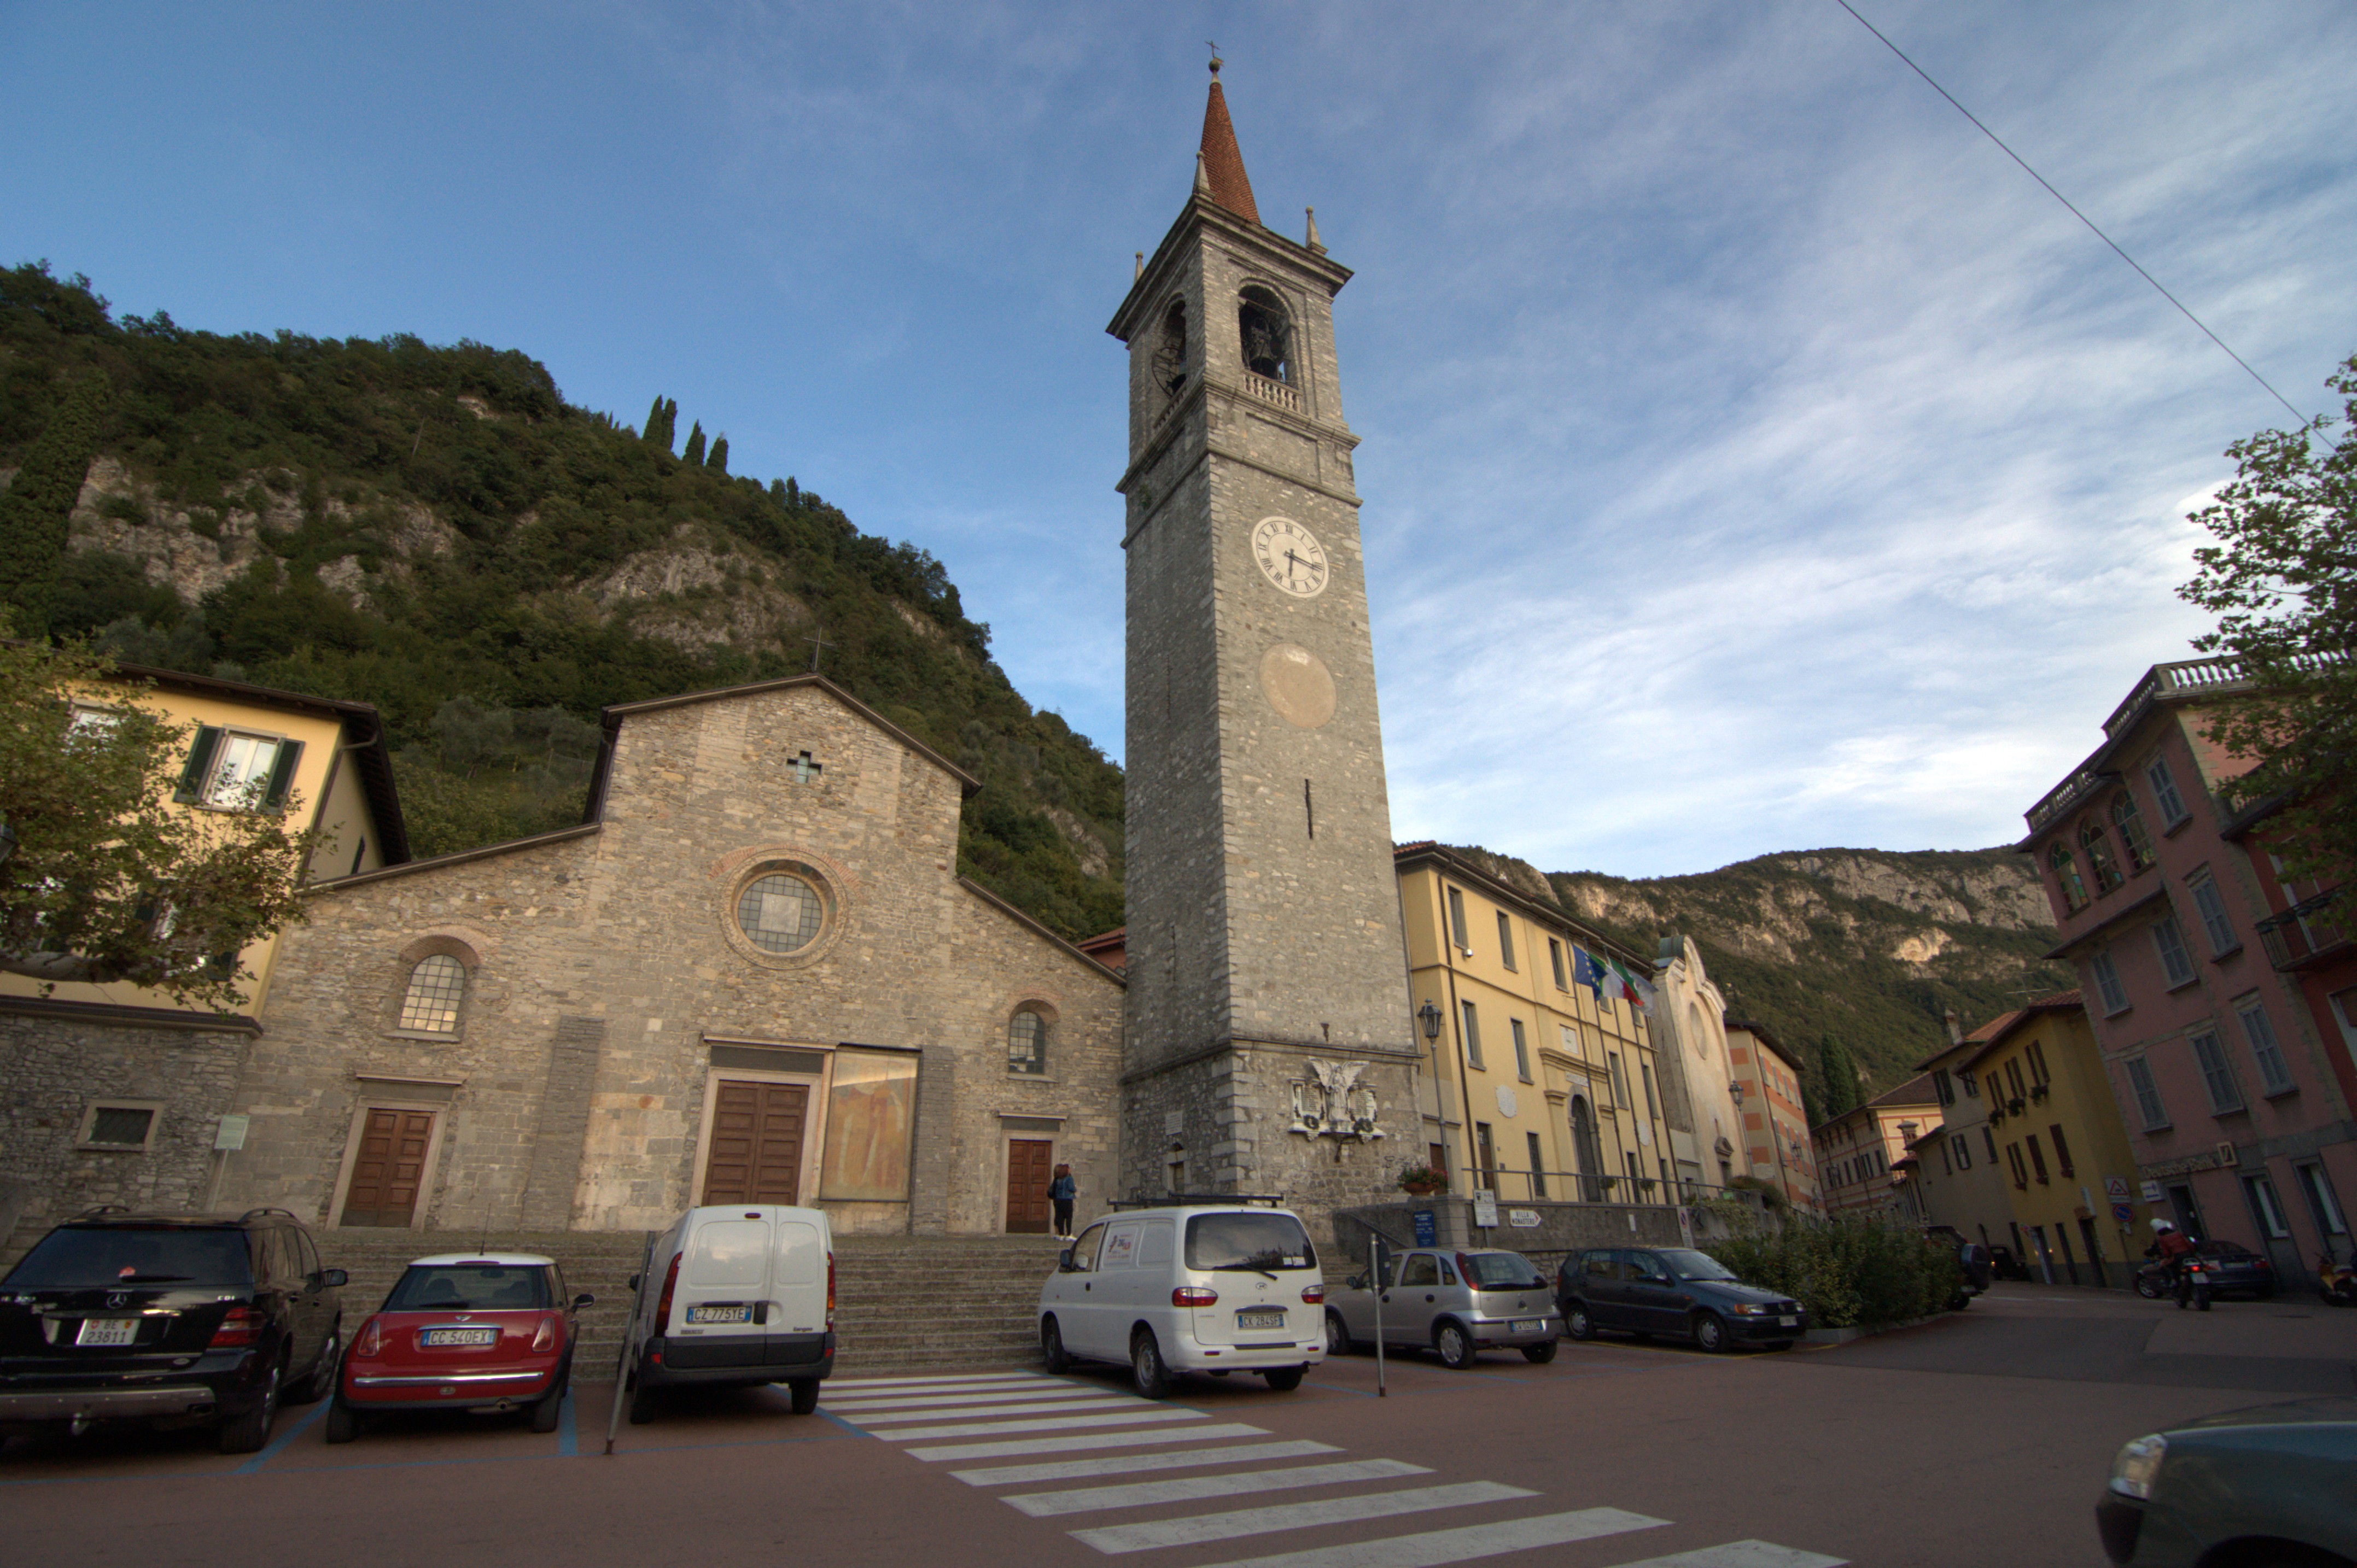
(1190, 1288)
(736, 1294)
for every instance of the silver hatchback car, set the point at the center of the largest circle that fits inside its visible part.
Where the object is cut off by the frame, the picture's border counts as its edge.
(1459, 1304)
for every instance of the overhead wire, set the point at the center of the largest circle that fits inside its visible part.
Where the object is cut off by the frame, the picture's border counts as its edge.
(2082, 217)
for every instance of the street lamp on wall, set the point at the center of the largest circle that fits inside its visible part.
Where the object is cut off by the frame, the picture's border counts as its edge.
(1429, 1015)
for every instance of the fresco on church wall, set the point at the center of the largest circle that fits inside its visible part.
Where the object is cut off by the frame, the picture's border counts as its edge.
(869, 1112)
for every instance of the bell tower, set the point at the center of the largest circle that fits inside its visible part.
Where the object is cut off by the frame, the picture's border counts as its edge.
(1268, 1046)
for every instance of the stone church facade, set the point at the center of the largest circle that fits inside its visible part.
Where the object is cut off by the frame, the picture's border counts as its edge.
(754, 975)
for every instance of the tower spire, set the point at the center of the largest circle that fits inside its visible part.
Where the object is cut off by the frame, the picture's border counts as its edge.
(1223, 160)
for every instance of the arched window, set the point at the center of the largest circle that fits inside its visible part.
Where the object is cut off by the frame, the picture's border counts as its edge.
(437, 988)
(1170, 350)
(1267, 335)
(2098, 845)
(2066, 876)
(2130, 823)
(1027, 1042)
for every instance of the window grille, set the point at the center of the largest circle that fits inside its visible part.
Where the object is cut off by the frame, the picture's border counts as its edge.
(780, 914)
(120, 1127)
(2107, 871)
(2130, 821)
(436, 987)
(2066, 877)
(1027, 1042)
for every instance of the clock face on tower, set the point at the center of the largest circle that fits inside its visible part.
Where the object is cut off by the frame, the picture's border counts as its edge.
(1290, 556)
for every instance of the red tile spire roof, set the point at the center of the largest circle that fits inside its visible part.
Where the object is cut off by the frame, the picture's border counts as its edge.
(1223, 161)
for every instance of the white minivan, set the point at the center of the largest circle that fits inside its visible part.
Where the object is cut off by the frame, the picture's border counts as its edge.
(1190, 1288)
(734, 1294)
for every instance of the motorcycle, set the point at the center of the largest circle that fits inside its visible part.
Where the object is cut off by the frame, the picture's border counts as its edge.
(2192, 1284)
(2338, 1281)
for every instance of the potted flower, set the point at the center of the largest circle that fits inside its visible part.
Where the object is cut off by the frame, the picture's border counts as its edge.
(1423, 1181)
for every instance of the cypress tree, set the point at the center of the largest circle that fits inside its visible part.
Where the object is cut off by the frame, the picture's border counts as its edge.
(35, 508)
(718, 461)
(793, 491)
(663, 422)
(1842, 1094)
(693, 455)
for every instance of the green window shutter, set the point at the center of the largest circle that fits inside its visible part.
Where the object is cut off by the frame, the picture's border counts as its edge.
(282, 775)
(201, 763)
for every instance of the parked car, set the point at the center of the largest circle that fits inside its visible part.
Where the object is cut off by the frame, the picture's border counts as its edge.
(1456, 1304)
(490, 1331)
(1212, 1288)
(175, 1320)
(733, 1295)
(1974, 1259)
(2234, 1270)
(2273, 1485)
(1673, 1290)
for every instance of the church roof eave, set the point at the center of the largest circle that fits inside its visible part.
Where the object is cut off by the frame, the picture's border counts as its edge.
(1153, 283)
(612, 718)
(1033, 926)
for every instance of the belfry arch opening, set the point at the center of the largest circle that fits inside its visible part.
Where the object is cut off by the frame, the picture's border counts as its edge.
(1170, 350)
(1267, 333)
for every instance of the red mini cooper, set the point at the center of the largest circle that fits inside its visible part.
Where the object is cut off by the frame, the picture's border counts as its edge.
(463, 1332)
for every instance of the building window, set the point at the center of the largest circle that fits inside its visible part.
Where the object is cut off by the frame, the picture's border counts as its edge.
(1989, 1138)
(1645, 1075)
(1505, 939)
(119, 1128)
(1944, 1086)
(2020, 1170)
(437, 988)
(2318, 1193)
(2147, 1094)
(1538, 1164)
(779, 913)
(2164, 794)
(1619, 1079)
(232, 769)
(1485, 1153)
(2206, 899)
(2066, 877)
(1472, 1036)
(2217, 1075)
(1171, 358)
(2108, 988)
(1266, 336)
(1972, 1082)
(2034, 1053)
(2061, 1150)
(2100, 864)
(1457, 923)
(2176, 963)
(1554, 957)
(1522, 1050)
(1027, 1042)
(2130, 823)
(1960, 1147)
(2265, 1207)
(2013, 1082)
(2274, 1074)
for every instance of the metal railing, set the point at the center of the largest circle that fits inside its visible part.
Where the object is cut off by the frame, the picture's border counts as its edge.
(1572, 1187)
(2300, 935)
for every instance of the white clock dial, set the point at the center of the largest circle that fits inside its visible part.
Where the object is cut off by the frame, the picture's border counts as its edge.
(1290, 556)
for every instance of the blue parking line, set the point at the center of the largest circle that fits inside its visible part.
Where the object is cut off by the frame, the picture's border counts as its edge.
(278, 1444)
(568, 1439)
(855, 1431)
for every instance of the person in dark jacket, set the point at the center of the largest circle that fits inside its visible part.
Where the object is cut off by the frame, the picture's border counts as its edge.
(1061, 1192)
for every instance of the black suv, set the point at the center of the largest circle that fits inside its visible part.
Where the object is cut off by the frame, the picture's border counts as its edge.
(173, 1319)
(1673, 1290)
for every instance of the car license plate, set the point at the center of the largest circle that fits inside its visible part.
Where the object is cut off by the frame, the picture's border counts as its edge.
(458, 1337)
(107, 1331)
(1527, 1324)
(1260, 1318)
(1790, 1321)
(732, 1312)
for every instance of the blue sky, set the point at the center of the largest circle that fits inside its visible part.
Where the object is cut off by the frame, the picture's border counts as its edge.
(1754, 458)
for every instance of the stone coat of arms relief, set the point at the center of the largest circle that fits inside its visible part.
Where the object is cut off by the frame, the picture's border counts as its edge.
(1333, 1103)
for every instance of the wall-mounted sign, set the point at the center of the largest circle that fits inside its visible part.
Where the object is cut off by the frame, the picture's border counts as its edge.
(2152, 1192)
(1523, 1219)
(231, 1134)
(2115, 1188)
(1485, 1208)
(1427, 1227)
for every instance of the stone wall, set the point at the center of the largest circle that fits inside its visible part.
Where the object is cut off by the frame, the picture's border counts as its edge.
(53, 1068)
(600, 963)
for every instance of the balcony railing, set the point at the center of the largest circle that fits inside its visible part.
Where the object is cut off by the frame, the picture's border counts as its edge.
(2309, 930)
(1273, 392)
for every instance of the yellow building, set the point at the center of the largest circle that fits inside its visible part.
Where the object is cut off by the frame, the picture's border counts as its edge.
(1531, 1085)
(1862, 1154)
(2060, 1144)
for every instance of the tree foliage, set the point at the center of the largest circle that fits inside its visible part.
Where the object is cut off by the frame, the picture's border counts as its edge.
(2282, 579)
(37, 504)
(111, 880)
(330, 456)
(1838, 1091)
(1848, 1273)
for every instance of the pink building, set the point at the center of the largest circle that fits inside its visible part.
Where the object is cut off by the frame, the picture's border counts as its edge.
(2233, 1080)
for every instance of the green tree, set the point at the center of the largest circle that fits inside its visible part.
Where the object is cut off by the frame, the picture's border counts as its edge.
(1841, 1094)
(693, 455)
(2282, 579)
(718, 461)
(663, 421)
(111, 880)
(37, 505)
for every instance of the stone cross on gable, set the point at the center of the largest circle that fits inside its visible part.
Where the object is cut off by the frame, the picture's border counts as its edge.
(804, 770)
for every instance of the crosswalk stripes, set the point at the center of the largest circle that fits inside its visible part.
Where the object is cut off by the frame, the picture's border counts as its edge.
(1196, 1488)
(1195, 1529)
(1029, 1417)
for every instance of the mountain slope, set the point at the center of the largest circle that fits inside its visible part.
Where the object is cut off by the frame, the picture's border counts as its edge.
(1870, 946)
(437, 532)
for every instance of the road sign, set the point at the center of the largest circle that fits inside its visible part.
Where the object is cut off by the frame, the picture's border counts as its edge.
(2123, 1213)
(2152, 1192)
(2115, 1188)
(1485, 1208)
(1523, 1219)
(1427, 1227)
